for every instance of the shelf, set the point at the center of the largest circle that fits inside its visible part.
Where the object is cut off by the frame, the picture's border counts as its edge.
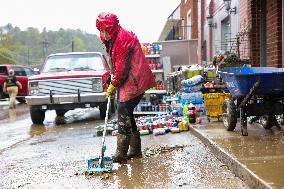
(148, 113)
(157, 71)
(155, 91)
(152, 55)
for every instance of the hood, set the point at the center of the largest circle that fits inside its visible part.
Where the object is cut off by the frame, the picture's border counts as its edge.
(108, 22)
(69, 74)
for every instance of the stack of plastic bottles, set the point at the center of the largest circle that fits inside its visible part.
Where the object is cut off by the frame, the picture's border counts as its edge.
(150, 48)
(192, 84)
(192, 94)
(161, 124)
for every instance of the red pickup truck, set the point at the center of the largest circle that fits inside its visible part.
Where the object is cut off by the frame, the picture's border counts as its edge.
(22, 73)
(68, 81)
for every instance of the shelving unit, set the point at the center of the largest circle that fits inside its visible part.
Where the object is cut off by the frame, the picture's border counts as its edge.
(157, 71)
(156, 92)
(157, 66)
(152, 55)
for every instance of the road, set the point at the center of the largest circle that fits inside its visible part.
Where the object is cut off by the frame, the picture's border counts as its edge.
(54, 155)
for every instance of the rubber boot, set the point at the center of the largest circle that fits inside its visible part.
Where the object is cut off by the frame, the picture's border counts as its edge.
(121, 149)
(135, 146)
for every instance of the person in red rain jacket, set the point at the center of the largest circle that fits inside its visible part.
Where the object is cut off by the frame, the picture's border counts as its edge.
(131, 78)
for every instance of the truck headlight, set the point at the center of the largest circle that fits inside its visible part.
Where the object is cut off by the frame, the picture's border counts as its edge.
(34, 89)
(97, 85)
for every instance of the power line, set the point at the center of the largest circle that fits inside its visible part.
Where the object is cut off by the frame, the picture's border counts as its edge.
(68, 45)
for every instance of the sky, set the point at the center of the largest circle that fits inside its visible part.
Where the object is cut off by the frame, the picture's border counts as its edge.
(146, 18)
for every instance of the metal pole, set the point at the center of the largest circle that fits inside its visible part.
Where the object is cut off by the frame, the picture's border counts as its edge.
(72, 46)
(28, 56)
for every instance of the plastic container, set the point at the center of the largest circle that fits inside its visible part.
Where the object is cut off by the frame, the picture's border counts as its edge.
(175, 130)
(98, 133)
(213, 103)
(144, 132)
(115, 133)
(159, 131)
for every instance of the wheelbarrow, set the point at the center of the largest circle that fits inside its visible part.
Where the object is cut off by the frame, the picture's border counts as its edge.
(255, 91)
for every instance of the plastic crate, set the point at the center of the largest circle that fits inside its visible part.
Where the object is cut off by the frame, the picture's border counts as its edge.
(213, 103)
(211, 74)
(191, 73)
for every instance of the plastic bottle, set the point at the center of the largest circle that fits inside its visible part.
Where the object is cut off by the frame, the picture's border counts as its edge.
(185, 112)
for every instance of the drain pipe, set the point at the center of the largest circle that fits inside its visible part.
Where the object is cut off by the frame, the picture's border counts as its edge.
(282, 34)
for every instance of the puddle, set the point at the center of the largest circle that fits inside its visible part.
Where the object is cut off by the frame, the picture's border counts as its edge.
(262, 151)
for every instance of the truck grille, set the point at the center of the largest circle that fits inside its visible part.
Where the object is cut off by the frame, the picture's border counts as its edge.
(70, 86)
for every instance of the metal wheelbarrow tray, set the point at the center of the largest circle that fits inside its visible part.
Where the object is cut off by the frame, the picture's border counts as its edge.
(255, 91)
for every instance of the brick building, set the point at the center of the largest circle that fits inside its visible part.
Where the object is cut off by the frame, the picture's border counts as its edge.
(265, 21)
(250, 28)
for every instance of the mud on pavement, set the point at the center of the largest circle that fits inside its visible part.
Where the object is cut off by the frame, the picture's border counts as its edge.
(57, 159)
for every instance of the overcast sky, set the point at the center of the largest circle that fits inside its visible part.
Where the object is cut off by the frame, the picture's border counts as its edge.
(146, 18)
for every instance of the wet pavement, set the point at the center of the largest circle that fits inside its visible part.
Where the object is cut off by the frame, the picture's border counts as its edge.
(262, 151)
(54, 156)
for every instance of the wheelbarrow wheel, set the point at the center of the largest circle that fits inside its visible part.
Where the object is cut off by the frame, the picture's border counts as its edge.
(267, 121)
(229, 115)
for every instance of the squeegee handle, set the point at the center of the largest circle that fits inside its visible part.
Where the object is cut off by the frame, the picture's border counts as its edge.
(104, 133)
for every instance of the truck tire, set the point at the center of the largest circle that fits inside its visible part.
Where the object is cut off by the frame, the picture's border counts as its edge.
(267, 121)
(60, 112)
(103, 108)
(37, 115)
(21, 100)
(229, 115)
(1, 93)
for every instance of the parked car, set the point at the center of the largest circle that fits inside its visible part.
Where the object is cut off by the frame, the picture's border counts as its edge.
(22, 73)
(68, 81)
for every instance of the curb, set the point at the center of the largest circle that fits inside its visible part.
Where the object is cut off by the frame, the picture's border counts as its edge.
(239, 169)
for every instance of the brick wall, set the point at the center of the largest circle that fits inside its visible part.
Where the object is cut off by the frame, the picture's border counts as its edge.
(243, 14)
(184, 8)
(254, 24)
(274, 33)
(244, 30)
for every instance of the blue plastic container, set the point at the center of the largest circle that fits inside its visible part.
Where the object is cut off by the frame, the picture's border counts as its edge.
(239, 81)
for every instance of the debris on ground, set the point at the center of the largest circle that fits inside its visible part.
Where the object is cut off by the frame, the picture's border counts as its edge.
(157, 150)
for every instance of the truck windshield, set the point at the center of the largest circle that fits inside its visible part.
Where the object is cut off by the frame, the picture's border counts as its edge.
(74, 62)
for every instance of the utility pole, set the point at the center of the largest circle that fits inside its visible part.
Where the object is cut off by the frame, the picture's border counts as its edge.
(28, 56)
(72, 46)
(44, 47)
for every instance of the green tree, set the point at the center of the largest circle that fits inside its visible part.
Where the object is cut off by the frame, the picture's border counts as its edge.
(31, 46)
(6, 57)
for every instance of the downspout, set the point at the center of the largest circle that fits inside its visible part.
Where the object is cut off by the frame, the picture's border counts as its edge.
(263, 54)
(282, 34)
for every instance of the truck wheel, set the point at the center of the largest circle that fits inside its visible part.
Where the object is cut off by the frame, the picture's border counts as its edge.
(21, 100)
(103, 108)
(267, 121)
(37, 115)
(229, 115)
(60, 112)
(1, 93)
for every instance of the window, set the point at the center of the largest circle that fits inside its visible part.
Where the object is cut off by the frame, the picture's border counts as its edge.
(226, 35)
(74, 62)
(29, 72)
(19, 71)
(189, 26)
(3, 70)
